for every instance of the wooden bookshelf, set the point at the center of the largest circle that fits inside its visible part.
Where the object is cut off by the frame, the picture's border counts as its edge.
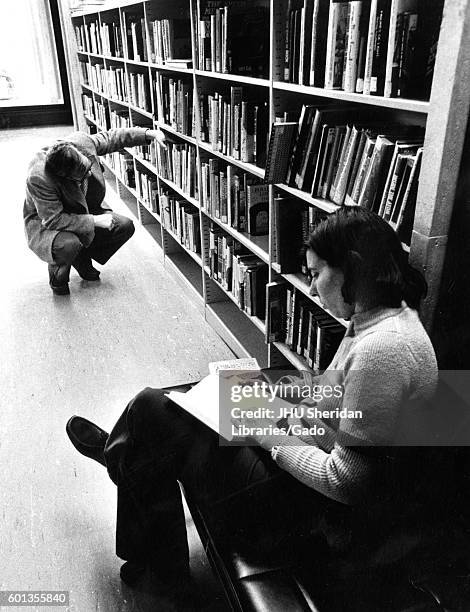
(444, 117)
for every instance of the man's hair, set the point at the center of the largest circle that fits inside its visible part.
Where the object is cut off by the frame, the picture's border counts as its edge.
(369, 253)
(63, 159)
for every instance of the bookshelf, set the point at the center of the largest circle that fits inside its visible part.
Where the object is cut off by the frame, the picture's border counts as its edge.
(118, 80)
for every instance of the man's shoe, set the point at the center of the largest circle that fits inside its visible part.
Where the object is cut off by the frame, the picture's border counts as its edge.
(59, 278)
(88, 438)
(60, 290)
(131, 572)
(85, 268)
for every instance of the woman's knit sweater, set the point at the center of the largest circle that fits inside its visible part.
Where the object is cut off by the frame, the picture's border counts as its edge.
(386, 363)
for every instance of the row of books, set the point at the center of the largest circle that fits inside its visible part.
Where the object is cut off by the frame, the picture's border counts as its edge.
(170, 40)
(233, 37)
(119, 119)
(147, 153)
(182, 220)
(175, 103)
(377, 47)
(123, 166)
(102, 39)
(240, 273)
(235, 126)
(147, 189)
(177, 163)
(295, 320)
(135, 37)
(110, 81)
(139, 92)
(234, 197)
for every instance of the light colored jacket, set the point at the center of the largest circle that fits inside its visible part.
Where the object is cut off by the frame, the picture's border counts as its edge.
(53, 204)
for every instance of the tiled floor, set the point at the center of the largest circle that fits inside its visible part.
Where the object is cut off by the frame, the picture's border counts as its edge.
(85, 354)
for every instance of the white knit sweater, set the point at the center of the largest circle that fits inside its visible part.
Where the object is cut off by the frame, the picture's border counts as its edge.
(384, 362)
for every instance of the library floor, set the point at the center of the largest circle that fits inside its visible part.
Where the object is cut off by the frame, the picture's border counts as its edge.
(85, 354)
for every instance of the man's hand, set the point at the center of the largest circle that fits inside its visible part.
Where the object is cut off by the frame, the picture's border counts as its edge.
(157, 135)
(104, 221)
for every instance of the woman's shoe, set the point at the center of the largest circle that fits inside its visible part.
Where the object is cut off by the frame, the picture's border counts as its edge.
(88, 438)
(131, 572)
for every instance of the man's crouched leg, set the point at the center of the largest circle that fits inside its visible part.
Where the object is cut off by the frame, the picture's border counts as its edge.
(65, 248)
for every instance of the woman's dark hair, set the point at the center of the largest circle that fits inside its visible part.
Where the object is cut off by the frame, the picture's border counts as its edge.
(369, 253)
(64, 160)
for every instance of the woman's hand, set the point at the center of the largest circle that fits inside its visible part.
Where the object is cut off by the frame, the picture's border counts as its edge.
(261, 431)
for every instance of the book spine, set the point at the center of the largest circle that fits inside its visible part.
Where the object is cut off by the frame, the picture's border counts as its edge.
(350, 72)
(391, 51)
(370, 47)
(331, 45)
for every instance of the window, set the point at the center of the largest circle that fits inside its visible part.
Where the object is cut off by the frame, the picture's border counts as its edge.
(29, 69)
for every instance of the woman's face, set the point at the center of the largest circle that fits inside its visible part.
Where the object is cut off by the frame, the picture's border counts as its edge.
(326, 285)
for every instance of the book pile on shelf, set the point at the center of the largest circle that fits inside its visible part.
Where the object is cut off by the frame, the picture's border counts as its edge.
(236, 198)
(240, 273)
(119, 119)
(175, 103)
(139, 93)
(88, 107)
(377, 47)
(304, 328)
(182, 220)
(123, 166)
(135, 37)
(147, 190)
(293, 223)
(170, 42)
(177, 163)
(233, 37)
(235, 127)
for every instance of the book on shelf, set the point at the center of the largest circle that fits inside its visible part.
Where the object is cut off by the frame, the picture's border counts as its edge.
(403, 214)
(257, 201)
(281, 141)
(179, 63)
(422, 50)
(275, 311)
(336, 44)
(401, 151)
(290, 221)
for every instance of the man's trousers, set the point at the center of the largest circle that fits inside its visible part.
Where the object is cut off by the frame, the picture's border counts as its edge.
(67, 246)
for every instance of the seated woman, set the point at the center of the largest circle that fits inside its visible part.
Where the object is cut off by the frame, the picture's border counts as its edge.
(360, 272)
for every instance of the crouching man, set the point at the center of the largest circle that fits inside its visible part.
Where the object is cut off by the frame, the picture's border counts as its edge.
(66, 222)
